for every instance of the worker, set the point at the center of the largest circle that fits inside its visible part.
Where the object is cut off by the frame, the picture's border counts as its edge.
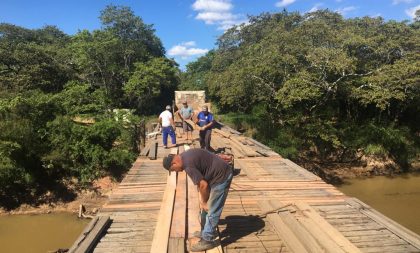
(213, 176)
(186, 113)
(168, 126)
(205, 121)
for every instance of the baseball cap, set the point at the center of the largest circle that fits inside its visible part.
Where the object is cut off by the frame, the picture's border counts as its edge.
(167, 161)
(168, 107)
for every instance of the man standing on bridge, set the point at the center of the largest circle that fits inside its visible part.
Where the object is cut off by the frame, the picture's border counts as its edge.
(213, 176)
(168, 126)
(206, 121)
(186, 113)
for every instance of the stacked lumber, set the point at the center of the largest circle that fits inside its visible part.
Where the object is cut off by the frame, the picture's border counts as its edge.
(240, 145)
(304, 230)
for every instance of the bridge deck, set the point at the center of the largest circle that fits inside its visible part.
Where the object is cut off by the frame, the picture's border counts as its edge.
(310, 216)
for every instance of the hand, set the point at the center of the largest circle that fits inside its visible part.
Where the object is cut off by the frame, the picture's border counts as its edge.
(204, 206)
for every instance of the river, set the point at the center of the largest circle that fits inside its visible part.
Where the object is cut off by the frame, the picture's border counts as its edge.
(396, 197)
(39, 233)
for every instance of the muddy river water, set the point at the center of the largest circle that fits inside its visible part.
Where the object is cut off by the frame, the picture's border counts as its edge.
(39, 233)
(396, 197)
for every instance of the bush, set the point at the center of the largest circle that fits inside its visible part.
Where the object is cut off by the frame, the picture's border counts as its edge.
(87, 151)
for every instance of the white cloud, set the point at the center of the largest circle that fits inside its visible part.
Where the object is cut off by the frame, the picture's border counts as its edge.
(215, 17)
(394, 2)
(345, 10)
(212, 5)
(315, 7)
(189, 44)
(284, 3)
(217, 12)
(412, 11)
(186, 50)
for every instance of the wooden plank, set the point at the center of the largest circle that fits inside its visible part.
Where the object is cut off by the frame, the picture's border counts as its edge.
(303, 171)
(253, 170)
(327, 235)
(246, 150)
(91, 235)
(193, 214)
(161, 234)
(222, 133)
(176, 244)
(193, 209)
(146, 150)
(153, 150)
(192, 124)
(178, 226)
(404, 233)
(282, 229)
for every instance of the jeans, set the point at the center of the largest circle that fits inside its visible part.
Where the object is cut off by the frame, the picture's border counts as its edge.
(205, 138)
(168, 131)
(216, 202)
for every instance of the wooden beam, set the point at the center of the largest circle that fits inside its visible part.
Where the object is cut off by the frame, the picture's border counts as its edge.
(163, 225)
(146, 150)
(282, 229)
(193, 125)
(331, 239)
(404, 233)
(153, 150)
(91, 235)
(178, 225)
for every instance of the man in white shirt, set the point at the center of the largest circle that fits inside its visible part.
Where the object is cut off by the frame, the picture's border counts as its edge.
(168, 126)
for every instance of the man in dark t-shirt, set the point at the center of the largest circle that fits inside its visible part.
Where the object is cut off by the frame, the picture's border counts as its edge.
(213, 176)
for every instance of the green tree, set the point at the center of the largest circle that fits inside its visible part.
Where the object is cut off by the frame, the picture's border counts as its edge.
(152, 84)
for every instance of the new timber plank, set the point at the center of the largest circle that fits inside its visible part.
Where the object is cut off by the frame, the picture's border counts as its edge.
(282, 229)
(178, 225)
(334, 241)
(161, 234)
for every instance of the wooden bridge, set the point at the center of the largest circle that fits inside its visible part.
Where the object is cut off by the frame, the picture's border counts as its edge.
(273, 206)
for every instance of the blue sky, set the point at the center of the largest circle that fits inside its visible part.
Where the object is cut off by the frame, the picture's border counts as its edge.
(187, 28)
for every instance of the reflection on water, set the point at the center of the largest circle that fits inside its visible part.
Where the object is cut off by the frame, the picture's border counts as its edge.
(39, 233)
(396, 197)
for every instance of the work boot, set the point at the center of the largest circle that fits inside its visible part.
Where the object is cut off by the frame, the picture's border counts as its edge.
(197, 234)
(203, 245)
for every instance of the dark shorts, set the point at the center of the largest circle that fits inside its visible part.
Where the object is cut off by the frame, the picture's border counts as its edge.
(187, 127)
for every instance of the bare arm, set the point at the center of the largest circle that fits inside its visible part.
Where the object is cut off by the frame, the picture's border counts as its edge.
(208, 125)
(203, 188)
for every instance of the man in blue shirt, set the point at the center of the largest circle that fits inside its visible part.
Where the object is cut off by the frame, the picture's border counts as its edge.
(205, 121)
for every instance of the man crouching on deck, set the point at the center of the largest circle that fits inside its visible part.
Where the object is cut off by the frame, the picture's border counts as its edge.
(213, 176)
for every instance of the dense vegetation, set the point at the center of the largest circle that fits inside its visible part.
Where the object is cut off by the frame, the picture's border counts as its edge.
(318, 86)
(314, 86)
(57, 99)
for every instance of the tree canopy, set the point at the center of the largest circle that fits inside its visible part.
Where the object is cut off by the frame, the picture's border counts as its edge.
(318, 81)
(57, 95)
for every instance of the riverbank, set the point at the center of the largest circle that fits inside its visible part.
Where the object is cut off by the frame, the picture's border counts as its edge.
(92, 198)
(365, 167)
